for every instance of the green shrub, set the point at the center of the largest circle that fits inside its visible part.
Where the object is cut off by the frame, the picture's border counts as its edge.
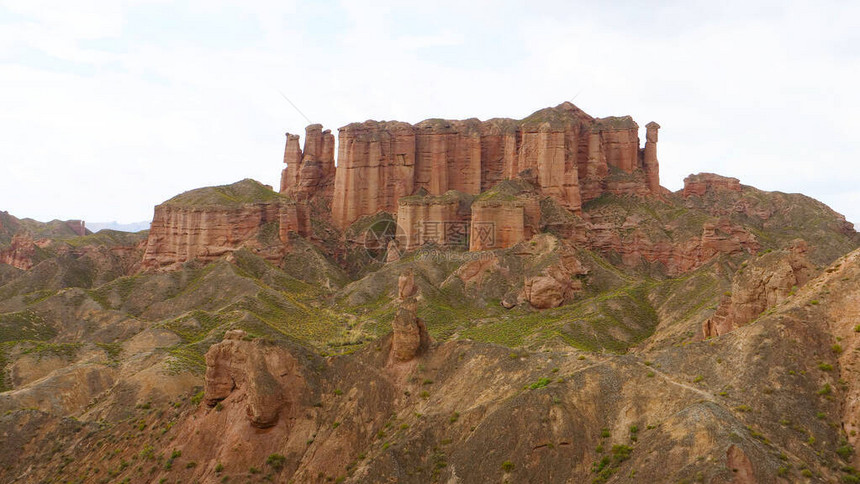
(219, 467)
(276, 461)
(542, 382)
(825, 390)
(825, 367)
(620, 452)
(507, 466)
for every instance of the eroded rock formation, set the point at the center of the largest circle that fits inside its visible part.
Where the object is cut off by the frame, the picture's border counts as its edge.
(702, 183)
(764, 283)
(635, 244)
(410, 335)
(20, 253)
(425, 219)
(569, 152)
(264, 376)
(196, 225)
(558, 282)
(309, 170)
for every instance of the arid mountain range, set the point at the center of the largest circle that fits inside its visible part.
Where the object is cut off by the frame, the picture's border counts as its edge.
(455, 301)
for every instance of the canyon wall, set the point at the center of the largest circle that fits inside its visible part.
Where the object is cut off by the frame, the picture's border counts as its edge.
(571, 156)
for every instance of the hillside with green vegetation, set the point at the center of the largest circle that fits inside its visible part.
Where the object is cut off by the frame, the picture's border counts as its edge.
(104, 365)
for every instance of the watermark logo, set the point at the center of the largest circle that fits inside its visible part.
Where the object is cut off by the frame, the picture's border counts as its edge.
(376, 238)
(439, 240)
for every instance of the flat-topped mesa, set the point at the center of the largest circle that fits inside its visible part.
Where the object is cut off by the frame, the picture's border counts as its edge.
(208, 223)
(310, 170)
(702, 183)
(572, 155)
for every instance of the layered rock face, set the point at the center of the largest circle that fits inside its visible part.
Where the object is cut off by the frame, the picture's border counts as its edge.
(764, 283)
(206, 224)
(264, 377)
(426, 219)
(702, 183)
(410, 335)
(309, 170)
(569, 152)
(376, 166)
(635, 245)
(499, 224)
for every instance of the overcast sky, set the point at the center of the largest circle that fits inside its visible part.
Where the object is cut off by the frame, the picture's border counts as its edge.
(110, 107)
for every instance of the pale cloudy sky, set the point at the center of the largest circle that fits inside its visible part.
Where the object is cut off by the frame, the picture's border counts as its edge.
(110, 107)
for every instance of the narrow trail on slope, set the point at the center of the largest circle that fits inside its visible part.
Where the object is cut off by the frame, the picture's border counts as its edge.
(709, 396)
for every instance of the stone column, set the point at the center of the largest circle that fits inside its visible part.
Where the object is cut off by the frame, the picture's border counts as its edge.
(652, 167)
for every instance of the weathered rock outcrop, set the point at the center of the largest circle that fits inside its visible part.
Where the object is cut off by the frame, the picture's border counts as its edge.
(557, 283)
(311, 170)
(569, 152)
(410, 335)
(210, 222)
(634, 245)
(764, 283)
(20, 253)
(650, 163)
(505, 215)
(441, 220)
(702, 183)
(376, 166)
(265, 376)
(497, 224)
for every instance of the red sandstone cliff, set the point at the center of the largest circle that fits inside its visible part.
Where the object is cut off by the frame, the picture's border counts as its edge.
(569, 152)
(210, 222)
(309, 170)
(702, 183)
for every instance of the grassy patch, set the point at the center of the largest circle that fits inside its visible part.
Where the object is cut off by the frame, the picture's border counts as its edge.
(25, 325)
(42, 349)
